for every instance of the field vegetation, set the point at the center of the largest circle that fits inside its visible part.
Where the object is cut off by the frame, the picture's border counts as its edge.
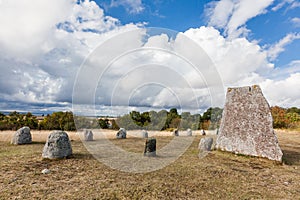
(219, 175)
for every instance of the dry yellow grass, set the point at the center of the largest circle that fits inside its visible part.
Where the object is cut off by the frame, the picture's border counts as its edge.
(219, 175)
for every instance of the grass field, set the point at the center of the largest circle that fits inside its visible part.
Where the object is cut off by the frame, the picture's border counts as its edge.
(219, 175)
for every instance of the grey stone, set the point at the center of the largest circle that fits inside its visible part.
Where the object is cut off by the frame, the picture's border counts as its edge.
(88, 135)
(205, 144)
(150, 147)
(176, 133)
(46, 171)
(22, 136)
(144, 134)
(57, 146)
(247, 125)
(121, 134)
(189, 132)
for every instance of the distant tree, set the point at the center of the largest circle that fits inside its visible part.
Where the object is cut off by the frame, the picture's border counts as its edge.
(114, 125)
(279, 117)
(211, 118)
(59, 121)
(293, 110)
(103, 123)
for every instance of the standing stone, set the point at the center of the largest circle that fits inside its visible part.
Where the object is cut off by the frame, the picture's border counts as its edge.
(176, 133)
(144, 134)
(247, 125)
(121, 134)
(205, 144)
(22, 136)
(150, 147)
(189, 132)
(57, 146)
(88, 135)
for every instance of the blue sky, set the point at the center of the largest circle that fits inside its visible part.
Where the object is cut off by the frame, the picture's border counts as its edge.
(43, 45)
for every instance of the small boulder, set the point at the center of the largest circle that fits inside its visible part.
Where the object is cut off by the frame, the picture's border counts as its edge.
(121, 134)
(57, 146)
(205, 144)
(46, 171)
(189, 132)
(22, 136)
(150, 147)
(144, 134)
(88, 135)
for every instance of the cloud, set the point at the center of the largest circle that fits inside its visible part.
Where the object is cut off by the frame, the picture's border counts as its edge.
(131, 6)
(41, 51)
(279, 47)
(241, 62)
(26, 25)
(290, 4)
(232, 15)
(283, 92)
(238, 61)
(296, 21)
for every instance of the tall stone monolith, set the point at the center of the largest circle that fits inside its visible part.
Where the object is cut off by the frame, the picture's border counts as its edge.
(247, 125)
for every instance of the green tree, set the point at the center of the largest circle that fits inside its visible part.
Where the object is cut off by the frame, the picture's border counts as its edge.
(103, 123)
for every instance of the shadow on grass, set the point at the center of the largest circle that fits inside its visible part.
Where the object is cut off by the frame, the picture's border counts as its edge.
(291, 157)
(39, 143)
(82, 156)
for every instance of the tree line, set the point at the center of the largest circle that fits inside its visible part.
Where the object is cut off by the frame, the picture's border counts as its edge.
(152, 120)
(286, 117)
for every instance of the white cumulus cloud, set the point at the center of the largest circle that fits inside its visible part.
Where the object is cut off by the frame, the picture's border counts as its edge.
(131, 6)
(232, 15)
(279, 47)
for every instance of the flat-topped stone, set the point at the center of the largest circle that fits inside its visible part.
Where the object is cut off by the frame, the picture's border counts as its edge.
(150, 147)
(247, 125)
(57, 146)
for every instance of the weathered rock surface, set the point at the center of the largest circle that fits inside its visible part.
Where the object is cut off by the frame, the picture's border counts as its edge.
(144, 134)
(205, 144)
(121, 134)
(22, 136)
(88, 135)
(150, 147)
(189, 132)
(57, 146)
(247, 125)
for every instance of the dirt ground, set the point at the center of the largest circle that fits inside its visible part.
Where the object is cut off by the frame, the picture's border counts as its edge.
(219, 175)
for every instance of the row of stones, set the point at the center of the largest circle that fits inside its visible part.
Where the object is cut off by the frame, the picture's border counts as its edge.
(58, 144)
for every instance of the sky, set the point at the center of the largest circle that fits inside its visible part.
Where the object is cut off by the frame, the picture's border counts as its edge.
(158, 54)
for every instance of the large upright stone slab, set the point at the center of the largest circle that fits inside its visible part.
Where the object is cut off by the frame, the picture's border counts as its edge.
(247, 125)
(22, 136)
